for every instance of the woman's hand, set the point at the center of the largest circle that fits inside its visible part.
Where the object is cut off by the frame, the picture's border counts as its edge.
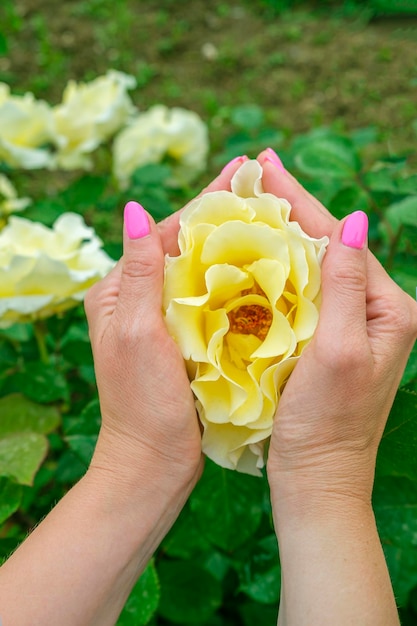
(150, 432)
(333, 410)
(79, 565)
(328, 426)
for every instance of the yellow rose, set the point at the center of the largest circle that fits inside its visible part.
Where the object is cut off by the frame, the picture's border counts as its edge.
(89, 115)
(43, 270)
(9, 201)
(176, 135)
(242, 302)
(25, 126)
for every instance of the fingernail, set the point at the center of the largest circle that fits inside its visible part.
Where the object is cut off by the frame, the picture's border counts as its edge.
(274, 158)
(136, 220)
(276, 164)
(355, 230)
(238, 159)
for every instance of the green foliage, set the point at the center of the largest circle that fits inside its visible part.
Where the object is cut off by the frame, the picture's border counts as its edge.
(143, 600)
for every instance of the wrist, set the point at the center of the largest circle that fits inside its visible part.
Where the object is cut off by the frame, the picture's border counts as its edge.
(132, 466)
(311, 484)
(146, 489)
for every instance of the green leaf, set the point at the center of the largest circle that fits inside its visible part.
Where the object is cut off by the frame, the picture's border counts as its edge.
(10, 497)
(347, 200)
(83, 446)
(402, 213)
(406, 276)
(18, 414)
(46, 210)
(3, 45)
(87, 423)
(381, 180)
(83, 193)
(76, 345)
(143, 600)
(397, 451)
(408, 186)
(328, 156)
(21, 455)
(410, 372)
(42, 382)
(151, 175)
(247, 116)
(395, 505)
(261, 574)
(185, 539)
(255, 613)
(227, 506)
(189, 594)
(23, 445)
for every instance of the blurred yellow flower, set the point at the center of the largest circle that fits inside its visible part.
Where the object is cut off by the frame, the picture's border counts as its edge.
(242, 302)
(9, 201)
(90, 113)
(43, 270)
(25, 127)
(176, 135)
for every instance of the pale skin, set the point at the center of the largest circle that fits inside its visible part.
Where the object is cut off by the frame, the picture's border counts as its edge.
(79, 565)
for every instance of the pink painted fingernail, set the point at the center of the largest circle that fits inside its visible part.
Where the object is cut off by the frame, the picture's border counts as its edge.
(355, 230)
(274, 158)
(238, 159)
(136, 220)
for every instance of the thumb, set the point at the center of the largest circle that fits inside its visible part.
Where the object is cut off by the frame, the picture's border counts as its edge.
(343, 311)
(142, 267)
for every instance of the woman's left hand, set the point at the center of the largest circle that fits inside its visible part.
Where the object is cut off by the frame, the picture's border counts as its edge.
(150, 431)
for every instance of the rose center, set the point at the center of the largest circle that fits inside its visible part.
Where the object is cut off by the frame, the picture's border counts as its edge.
(250, 319)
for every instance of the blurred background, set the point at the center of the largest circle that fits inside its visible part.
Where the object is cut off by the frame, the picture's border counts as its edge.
(347, 64)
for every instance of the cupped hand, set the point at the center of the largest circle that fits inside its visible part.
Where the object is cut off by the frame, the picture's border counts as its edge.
(334, 408)
(150, 432)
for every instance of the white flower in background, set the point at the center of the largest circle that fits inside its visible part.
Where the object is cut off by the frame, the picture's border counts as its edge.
(90, 113)
(242, 301)
(9, 201)
(25, 127)
(176, 135)
(44, 271)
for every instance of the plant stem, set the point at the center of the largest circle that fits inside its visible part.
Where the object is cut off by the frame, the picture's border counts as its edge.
(39, 330)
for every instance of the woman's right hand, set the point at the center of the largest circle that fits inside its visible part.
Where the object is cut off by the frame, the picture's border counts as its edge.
(328, 426)
(333, 410)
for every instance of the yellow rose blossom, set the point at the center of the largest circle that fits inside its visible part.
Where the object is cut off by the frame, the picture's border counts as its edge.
(25, 127)
(44, 271)
(176, 135)
(242, 302)
(9, 201)
(90, 113)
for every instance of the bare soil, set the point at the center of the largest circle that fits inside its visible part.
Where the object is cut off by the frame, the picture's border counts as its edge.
(305, 69)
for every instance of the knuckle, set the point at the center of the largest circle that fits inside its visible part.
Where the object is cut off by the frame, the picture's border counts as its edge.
(139, 267)
(90, 300)
(345, 357)
(400, 315)
(132, 330)
(349, 277)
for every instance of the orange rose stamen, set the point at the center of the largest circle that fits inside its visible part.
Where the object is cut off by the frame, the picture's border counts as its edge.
(251, 319)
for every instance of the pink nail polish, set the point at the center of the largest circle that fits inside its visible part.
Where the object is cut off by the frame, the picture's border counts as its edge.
(136, 220)
(275, 163)
(238, 159)
(274, 158)
(355, 230)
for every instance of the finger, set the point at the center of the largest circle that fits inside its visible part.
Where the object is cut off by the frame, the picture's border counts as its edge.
(101, 299)
(169, 227)
(342, 326)
(313, 217)
(142, 268)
